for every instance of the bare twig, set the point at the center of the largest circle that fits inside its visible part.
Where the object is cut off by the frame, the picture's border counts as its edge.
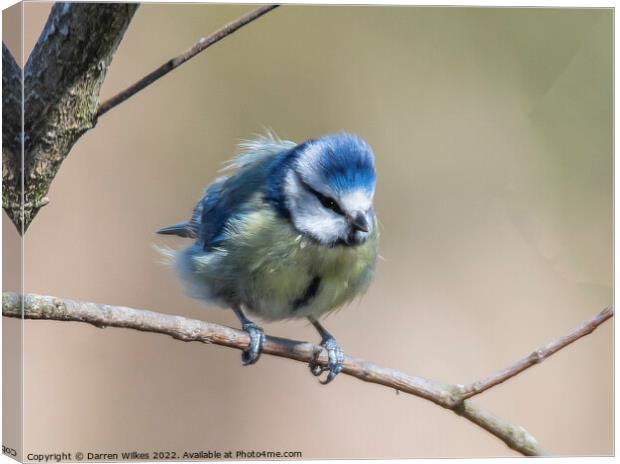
(177, 61)
(447, 396)
(537, 356)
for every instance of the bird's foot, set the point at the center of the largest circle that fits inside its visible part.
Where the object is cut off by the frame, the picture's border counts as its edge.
(257, 339)
(335, 358)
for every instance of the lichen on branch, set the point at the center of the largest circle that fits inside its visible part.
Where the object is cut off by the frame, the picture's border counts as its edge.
(62, 80)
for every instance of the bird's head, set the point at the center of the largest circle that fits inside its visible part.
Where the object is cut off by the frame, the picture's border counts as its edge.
(329, 189)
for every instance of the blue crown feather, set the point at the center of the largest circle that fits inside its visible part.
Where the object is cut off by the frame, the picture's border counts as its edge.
(347, 162)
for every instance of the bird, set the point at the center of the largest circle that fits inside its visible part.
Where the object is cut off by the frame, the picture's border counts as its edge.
(290, 233)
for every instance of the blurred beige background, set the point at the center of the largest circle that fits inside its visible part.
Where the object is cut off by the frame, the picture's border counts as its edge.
(493, 135)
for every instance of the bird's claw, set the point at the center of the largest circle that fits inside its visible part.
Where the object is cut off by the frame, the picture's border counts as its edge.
(257, 339)
(335, 359)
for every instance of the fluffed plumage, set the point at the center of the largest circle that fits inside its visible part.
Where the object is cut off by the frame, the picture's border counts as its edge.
(290, 233)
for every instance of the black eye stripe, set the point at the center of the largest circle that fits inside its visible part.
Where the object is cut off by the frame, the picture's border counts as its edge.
(326, 201)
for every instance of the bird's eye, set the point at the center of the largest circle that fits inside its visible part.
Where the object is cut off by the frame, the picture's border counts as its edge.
(330, 203)
(326, 201)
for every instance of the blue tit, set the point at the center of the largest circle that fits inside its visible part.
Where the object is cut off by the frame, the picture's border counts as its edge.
(290, 233)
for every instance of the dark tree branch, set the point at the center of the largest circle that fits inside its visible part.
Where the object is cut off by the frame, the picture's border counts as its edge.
(11, 135)
(451, 397)
(177, 61)
(62, 77)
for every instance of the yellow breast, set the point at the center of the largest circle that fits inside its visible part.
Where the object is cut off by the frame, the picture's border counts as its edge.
(276, 266)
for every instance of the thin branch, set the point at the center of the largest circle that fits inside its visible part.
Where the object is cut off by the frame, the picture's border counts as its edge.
(514, 436)
(537, 356)
(177, 61)
(447, 396)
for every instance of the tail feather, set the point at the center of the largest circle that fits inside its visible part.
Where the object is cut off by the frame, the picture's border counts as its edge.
(182, 229)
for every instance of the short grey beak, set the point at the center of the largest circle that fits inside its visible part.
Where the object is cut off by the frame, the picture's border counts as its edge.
(359, 222)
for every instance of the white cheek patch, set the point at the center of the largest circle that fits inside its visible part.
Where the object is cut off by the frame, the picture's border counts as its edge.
(309, 216)
(357, 200)
(320, 224)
